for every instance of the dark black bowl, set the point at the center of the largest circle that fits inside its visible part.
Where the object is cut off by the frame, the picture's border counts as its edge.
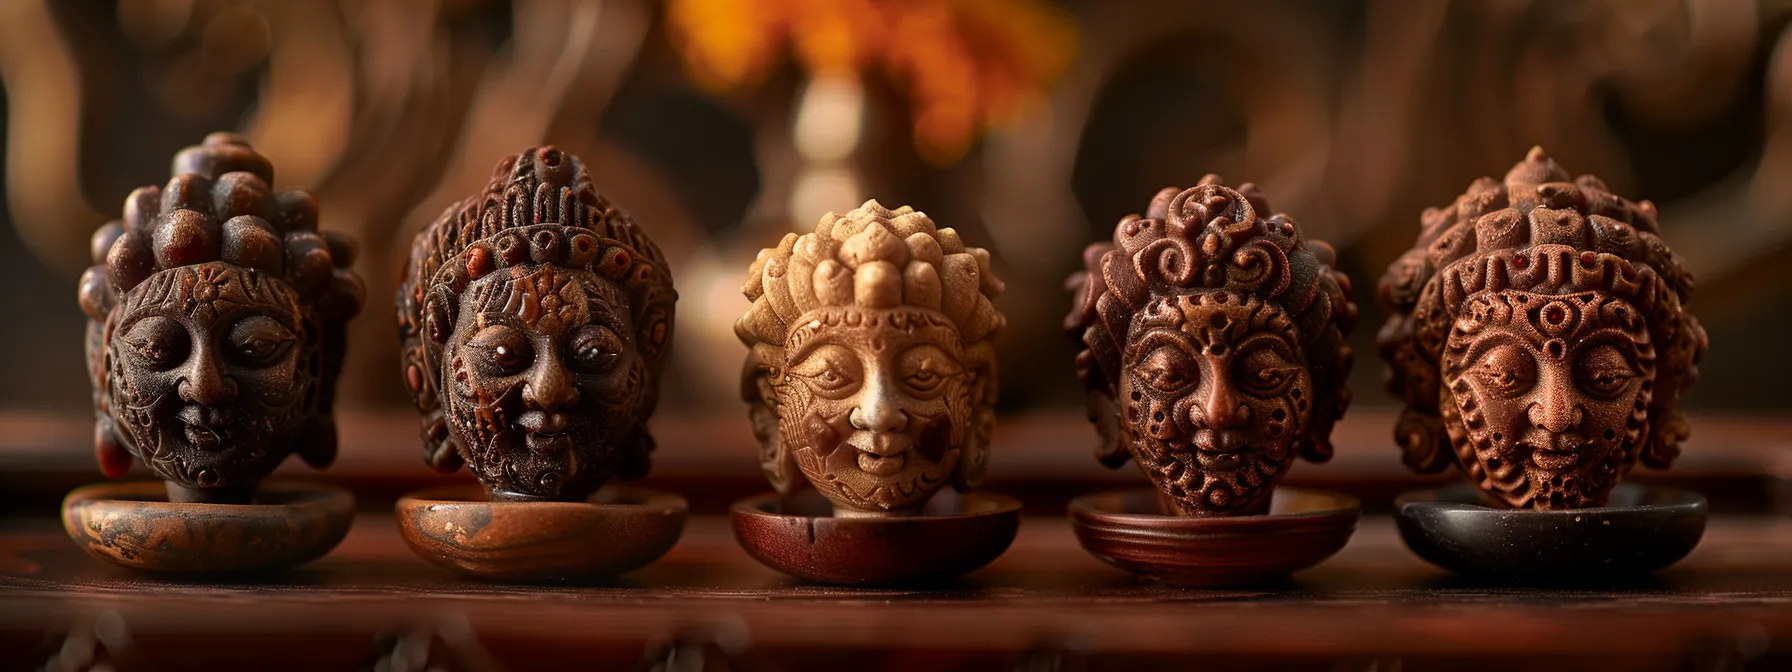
(1640, 530)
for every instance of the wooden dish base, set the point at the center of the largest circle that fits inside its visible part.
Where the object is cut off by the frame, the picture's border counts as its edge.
(132, 524)
(1128, 529)
(801, 537)
(619, 529)
(1642, 530)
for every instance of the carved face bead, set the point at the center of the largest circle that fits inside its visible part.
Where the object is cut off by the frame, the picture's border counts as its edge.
(544, 380)
(533, 322)
(876, 404)
(208, 385)
(1212, 347)
(871, 372)
(1551, 392)
(1215, 392)
(1539, 338)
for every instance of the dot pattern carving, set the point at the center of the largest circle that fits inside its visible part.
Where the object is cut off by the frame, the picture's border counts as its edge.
(1212, 347)
(1539, 339)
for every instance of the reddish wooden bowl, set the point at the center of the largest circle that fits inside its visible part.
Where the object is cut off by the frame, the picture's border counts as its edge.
(134, 525)
(619, 529)
(800, 536)
(1128, 529)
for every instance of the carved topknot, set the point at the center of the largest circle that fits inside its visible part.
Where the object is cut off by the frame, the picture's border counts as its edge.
(219, 207)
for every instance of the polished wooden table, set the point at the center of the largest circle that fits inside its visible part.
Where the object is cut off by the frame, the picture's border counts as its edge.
(1044, 605)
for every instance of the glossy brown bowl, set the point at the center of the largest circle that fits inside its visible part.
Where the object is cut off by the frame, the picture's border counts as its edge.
(1642, 530)
(619, 529)
(1128, 529)
(134, 525)
(801, 537)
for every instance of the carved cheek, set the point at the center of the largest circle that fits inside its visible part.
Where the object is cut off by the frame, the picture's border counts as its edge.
(1160, 419)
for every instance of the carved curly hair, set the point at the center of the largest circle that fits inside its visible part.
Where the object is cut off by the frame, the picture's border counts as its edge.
(218, 207)
(872, 257)
(479, 235)
(1536, 231)
(1210, 237)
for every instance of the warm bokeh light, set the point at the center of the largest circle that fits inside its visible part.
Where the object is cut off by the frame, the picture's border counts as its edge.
(965, 65)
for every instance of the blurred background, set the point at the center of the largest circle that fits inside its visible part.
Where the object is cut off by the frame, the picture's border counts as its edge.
(1031, 126)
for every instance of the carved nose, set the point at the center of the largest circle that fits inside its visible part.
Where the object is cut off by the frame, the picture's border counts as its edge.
(1219, 409)
(551, 389)
(879, 410)
(881, 418)
(1555, 413)
(204, 384)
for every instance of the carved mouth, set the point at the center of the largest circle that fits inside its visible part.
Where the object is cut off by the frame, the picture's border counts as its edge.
(882, 465)
(1554, 459)
(546, 442)
(206, 428)
(1226, 461)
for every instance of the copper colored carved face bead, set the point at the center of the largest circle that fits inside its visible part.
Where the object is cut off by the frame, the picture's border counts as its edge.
(871, 372)
(534, 320)
(1538, 331)
(215, 333)
(1212, 347)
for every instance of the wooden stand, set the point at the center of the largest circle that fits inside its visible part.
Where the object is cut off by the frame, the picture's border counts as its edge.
(619, 529)
(133, 525)
(800, 536)
(1642, 530)
(1128, 529)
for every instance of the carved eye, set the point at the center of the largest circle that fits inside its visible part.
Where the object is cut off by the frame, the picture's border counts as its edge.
(1168, 370)
(924, 369)
(259, 341)
(1263, 372)
(502, 350)
(596, 349)
(1506, 370)
(830, 371)
(1604, 372)
(158, 342)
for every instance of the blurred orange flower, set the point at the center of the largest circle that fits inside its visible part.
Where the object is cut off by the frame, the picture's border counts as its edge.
(965, 64)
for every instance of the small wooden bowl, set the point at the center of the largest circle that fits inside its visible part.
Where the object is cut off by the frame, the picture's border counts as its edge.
(134, 525)
(1642, 530)
(800, 536)
(1128, 529)
(619, 529)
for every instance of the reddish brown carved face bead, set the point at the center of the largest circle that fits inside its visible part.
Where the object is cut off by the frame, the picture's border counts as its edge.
(871, 373)
(215, 333)
(534, 349)
(1538, 329)
(1213, 347)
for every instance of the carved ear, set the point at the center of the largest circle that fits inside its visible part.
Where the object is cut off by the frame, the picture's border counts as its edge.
(1424, 444)
(1104, 412)
(973, 463)
(114, 460)
(1662, 445)
(775, 458)
(441, 451)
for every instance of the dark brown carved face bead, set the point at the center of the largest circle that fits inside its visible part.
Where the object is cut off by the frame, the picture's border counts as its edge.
(871, 372)
(534, 349)
(1538, 329)
(1212, 347)
(215, 315)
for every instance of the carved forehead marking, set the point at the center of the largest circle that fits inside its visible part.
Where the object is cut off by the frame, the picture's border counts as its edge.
(203, 291)
(539, 296)
(1216, 317)
(920, 324)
